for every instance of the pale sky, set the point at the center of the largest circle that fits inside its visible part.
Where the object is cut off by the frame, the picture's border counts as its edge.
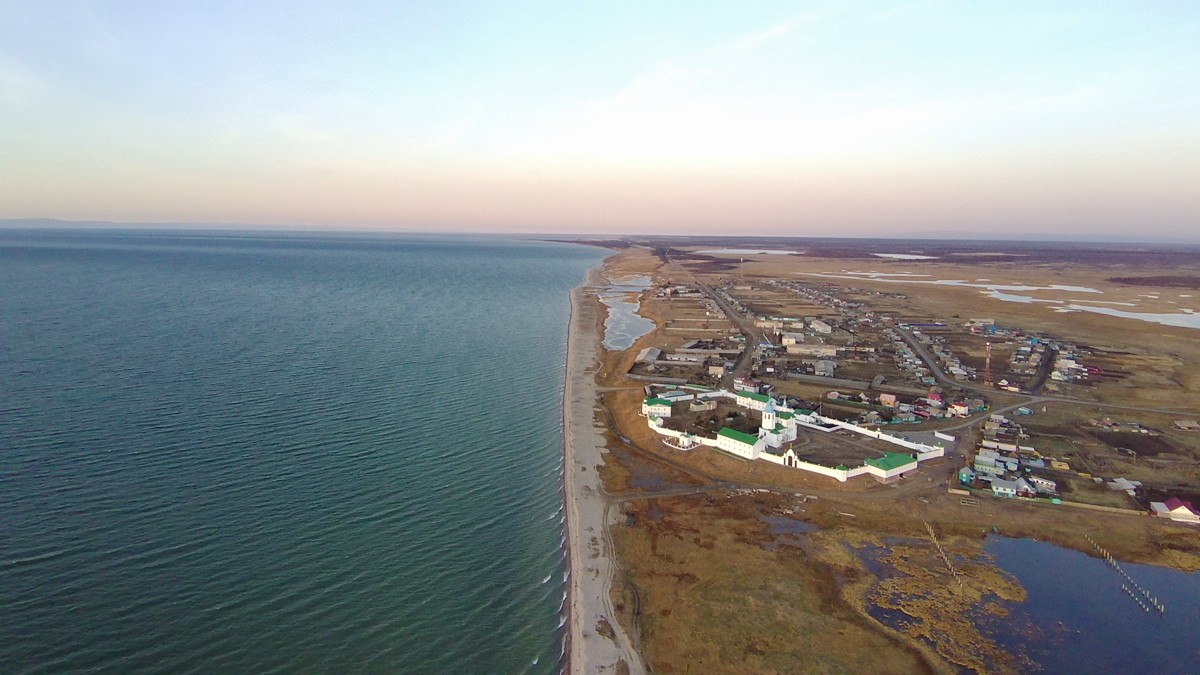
(977, 119)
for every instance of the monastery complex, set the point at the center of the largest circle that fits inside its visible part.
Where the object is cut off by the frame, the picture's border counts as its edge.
(777, 433)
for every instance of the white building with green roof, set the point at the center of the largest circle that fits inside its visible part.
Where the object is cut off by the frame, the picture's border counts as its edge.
(740, 443)
(891, 466)
(657, 407)
(752, 400)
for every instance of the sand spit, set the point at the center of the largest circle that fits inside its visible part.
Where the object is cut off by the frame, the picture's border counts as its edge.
(597, 643)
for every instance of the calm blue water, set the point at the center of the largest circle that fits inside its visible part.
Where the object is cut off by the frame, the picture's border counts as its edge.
(623, 325)
(259, 452)
(1081, 620)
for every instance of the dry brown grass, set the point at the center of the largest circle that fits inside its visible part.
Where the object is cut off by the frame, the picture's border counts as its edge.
(718, 597)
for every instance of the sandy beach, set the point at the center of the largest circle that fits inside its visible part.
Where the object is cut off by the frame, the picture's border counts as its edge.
(596, 642)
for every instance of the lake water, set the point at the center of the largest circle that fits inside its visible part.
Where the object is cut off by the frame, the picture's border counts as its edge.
(1185, 318)
(1086, 623)
(281, 453)
(748, 251)
(891, 279)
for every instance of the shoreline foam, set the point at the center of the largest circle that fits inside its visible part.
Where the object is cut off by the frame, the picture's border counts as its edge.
(589, 552)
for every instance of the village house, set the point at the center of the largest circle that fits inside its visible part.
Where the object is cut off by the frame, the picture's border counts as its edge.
(1004, 488)
(824, 368)
(1176, 509)
(1024, 489)
(746, 384)
(1018, 487)
(1043, 484)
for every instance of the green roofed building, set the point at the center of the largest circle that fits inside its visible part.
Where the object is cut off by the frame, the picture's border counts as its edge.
(890, 460)
(753, 400)
(740, 443)
(891, 465)
(739, 436)
(657, 407)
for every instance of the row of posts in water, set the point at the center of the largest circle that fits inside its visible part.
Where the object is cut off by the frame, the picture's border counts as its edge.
(945, 557)
(1144, 600)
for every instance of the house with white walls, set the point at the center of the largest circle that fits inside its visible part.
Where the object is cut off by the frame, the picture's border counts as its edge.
(752, 400)
(739, 443)
(658, 407)
(1176, 509)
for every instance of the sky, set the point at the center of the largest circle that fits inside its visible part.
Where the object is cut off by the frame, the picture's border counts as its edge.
(1067, 120)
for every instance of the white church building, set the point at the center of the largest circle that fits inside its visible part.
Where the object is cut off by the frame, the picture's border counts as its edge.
(778, 428)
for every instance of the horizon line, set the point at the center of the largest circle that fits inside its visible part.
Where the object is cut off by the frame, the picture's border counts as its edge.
(69, 224)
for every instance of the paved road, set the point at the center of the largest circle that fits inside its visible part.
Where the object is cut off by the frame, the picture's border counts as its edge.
(751, 332)
(934, 367)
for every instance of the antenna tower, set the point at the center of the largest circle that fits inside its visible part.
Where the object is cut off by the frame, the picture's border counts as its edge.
(987, 367)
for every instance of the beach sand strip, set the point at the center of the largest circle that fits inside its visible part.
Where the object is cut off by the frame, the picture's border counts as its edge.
(596, 641)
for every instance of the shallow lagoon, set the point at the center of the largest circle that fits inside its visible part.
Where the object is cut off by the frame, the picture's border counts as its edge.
(623, 325)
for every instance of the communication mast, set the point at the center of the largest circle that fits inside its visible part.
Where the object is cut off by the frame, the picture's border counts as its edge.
(987, 367)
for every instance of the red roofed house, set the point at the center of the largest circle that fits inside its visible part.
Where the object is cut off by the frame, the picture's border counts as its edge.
(1176, 509)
